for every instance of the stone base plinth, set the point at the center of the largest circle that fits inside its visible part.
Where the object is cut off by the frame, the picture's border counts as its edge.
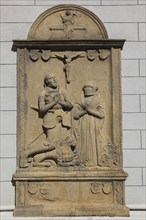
(74, 210)
(90, 193)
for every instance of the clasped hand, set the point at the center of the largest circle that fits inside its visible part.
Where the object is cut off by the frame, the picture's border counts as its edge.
(58, 100)
(88, 109)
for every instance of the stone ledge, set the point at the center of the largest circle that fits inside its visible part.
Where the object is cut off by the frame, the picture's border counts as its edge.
(68, 44)
(69, 175)
(134, 215)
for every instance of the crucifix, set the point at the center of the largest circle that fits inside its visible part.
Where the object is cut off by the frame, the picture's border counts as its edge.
(66, 59)
(68, 25)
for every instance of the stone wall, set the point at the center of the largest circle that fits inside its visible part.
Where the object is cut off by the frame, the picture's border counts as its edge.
(123, 19)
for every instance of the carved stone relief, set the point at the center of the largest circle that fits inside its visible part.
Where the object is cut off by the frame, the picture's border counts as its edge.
(105, 188)
(62, 140)
(69, 24)
(69, 132)
(46, 191)
(45, 55)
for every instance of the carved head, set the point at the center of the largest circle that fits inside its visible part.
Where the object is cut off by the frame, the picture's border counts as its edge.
(67, 12)
(90, 88)
(66, 56)
(50, 81)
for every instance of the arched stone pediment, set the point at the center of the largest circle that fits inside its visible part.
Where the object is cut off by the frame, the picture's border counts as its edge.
(67, 22)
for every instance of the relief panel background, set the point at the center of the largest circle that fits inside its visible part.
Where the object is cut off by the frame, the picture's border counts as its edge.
(81, 72)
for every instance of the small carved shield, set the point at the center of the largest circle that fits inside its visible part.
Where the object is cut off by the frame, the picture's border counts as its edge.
(107, 188)
(46, 54)
(104, 54)
(32, 189)
(96, 188)
(44, 188)
(91, 55)
(34, 55)
(44, 191)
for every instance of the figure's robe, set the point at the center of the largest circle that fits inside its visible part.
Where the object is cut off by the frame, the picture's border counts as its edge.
(89, 130)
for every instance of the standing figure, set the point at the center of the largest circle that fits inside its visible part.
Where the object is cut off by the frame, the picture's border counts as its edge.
(68, 23)
(54, 105)
(90, 114)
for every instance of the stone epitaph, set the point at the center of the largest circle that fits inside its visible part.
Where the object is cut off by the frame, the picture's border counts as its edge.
(69, 133)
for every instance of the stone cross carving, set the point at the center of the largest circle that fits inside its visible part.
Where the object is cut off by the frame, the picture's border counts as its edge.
(68, 26)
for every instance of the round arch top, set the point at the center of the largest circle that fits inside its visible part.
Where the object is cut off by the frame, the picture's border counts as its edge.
(67, 22)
